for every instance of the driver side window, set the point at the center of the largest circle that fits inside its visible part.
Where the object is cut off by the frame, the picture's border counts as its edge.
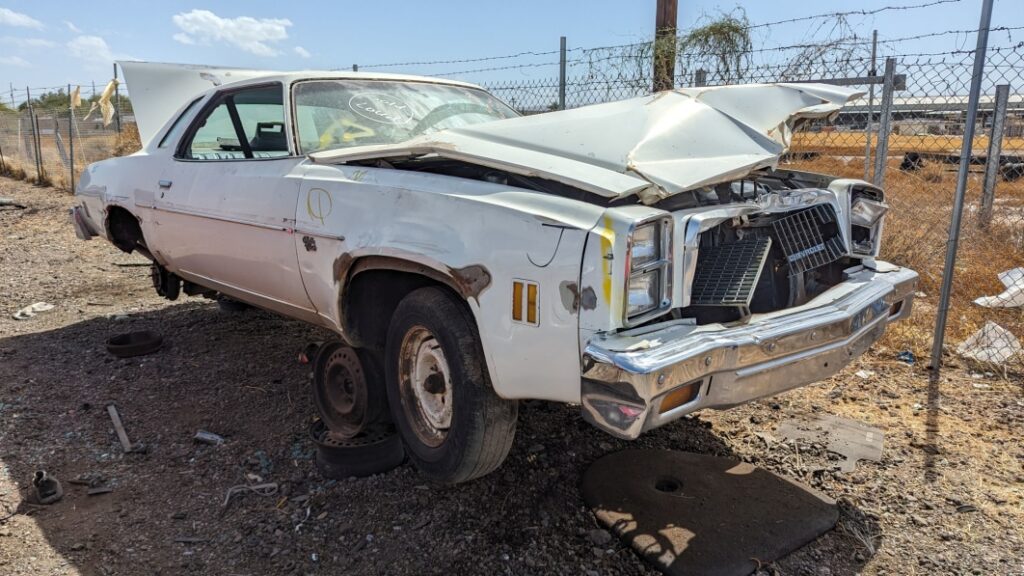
(241, 125)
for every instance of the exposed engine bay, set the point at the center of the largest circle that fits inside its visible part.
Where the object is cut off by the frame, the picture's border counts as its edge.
(765, 262)
(749, 261)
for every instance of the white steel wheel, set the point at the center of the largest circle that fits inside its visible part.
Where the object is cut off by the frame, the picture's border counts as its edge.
(454, 426)
(425, 385)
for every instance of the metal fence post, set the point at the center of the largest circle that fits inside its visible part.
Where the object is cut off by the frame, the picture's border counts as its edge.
(39, 151)
(71, 136)
(961, 187)
(117, 99)
(992, 160)
(35, 135)
(871, 106)
(561, 74)
(885, 122)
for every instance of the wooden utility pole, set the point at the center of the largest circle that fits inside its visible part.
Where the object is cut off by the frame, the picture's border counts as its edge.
(665, 45)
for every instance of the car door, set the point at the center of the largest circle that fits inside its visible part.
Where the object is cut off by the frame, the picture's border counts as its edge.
(225, 209)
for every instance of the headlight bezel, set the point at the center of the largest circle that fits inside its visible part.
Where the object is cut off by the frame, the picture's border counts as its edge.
(661, 263)
(867, 211)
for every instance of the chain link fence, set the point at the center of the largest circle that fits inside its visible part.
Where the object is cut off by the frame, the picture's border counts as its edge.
(913, 151)
(52, 144)
(920, 151)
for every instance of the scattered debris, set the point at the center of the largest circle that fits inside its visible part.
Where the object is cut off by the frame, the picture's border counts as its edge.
(309, 352)
(851, 439)
(131, 344)
(6, 202)
(48, 488)
(267, 489)
(864, 374)
(991, 344)
(92, 480)
(906, 356)
(190, 540)
(99, 490)
(1012, 297)
(204, 437)
(121, 434)
(31, 310)
(599, 537)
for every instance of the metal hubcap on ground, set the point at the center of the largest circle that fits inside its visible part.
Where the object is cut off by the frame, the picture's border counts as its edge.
(426, 386)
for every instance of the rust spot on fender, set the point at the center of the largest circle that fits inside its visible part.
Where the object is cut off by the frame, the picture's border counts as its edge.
(588, 298)
(471, 280)
(342, 264)
(569, 292)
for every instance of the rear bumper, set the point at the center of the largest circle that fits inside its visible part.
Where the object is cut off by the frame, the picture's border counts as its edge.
(627, 376)
(81, 223)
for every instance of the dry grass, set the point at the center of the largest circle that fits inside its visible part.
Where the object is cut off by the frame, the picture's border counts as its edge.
(128, 141)
(836, 142)
(916, 236)
(88, 149)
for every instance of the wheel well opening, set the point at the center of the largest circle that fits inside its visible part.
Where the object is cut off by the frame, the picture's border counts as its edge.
(123, 229)
(371, 298)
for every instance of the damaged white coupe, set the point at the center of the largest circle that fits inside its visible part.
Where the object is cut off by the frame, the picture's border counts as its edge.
(642, 259)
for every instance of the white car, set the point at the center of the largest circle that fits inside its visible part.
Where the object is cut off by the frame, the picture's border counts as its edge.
(642, 259)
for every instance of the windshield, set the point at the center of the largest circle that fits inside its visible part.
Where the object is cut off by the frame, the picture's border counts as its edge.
(345, 113)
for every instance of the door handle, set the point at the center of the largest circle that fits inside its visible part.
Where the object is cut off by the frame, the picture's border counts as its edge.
(164, 183)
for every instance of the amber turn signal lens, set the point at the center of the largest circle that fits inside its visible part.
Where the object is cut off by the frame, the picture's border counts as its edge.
(679, 396)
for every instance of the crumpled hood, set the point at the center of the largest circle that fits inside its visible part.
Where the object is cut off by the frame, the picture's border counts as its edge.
(653, 146)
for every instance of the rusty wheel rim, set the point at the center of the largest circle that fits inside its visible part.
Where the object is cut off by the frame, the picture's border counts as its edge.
(425, 386)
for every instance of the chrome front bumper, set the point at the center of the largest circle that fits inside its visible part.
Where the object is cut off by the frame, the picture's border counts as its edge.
(626, 376)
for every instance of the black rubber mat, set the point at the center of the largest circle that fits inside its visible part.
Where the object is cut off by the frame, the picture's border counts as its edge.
(696, 514)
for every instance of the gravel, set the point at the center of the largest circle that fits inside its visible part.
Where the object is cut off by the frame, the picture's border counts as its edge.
(946, 497)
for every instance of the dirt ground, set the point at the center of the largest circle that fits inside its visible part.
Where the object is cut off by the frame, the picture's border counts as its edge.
(945, 499)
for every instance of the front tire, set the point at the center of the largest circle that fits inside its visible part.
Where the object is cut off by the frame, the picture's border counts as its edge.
(453, 424)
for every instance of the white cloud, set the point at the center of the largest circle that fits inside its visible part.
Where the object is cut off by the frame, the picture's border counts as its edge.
(9, 17)
(71, 26)
(302, 51)
(17, 61)
(28, 42)
(254, 35)
(93, 50)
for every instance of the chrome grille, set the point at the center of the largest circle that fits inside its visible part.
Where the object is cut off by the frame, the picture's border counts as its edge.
(809, 238)
(727, 274)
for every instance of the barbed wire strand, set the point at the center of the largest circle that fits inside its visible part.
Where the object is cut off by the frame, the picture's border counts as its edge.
(750, 27)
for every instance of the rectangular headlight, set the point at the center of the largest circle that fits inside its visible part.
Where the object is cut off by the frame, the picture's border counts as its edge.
(644, 293)
(646, 246)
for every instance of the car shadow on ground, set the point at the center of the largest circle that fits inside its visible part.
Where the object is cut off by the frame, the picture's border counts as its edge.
(237, 375)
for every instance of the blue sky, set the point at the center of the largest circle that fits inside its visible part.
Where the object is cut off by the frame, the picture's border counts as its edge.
(45, 44)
